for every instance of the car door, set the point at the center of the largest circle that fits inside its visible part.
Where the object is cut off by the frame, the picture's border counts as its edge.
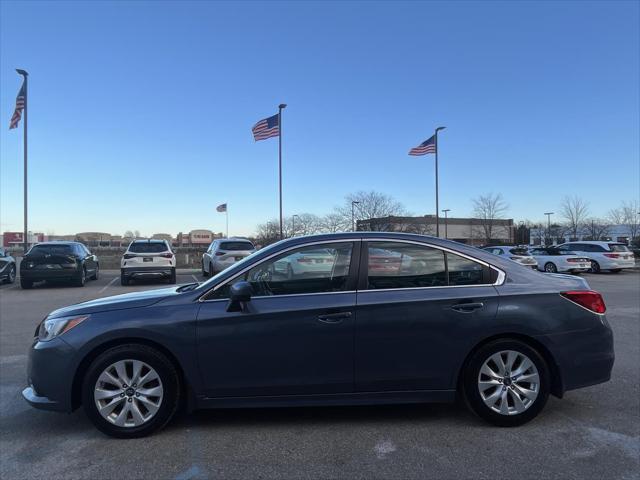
(295, 335)
(90, 259)
(415, 324)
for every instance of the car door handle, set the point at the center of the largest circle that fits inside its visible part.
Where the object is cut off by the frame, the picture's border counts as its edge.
(467, 307)
(334, 317)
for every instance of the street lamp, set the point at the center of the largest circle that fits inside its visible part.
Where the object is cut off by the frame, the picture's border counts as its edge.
(446, 210)
(353, 215)
(293, 226)
(548, 214)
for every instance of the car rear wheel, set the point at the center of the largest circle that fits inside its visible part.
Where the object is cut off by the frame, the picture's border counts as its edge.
(506, 382)
(26, 284)
(550, 268)
(172, 277)
(131, 391)
(595, 267)
(205, 274)
(123, 279)
(96, 273)
(82, 278)
(11, 277)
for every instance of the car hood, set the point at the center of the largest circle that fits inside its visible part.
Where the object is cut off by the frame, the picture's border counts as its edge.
(117, 302)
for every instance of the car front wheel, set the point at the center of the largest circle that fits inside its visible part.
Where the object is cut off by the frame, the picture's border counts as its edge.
(595, 267)
(506, 382)
(550, 268)
(11, 277)
(130, 391)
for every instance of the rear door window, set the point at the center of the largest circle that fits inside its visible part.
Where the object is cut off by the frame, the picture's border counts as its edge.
(618, 247)
(463, 271)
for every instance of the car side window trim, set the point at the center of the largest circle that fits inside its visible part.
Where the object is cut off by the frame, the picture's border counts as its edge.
(359, 253)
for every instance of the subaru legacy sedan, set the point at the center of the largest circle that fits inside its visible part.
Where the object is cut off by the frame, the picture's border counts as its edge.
(445, 321)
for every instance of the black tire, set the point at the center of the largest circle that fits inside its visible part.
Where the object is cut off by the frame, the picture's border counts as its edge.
(212, 271)
(96, 274)
(11, 277)
(595, 267)
(471, 375)
(205, 274)
(616, 270)
(26, 284)
(172, 277)
(82, 278)
(550, 267)
(124, 281)
(170, 384)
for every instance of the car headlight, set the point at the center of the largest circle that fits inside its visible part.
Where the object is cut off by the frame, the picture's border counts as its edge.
(52, 327)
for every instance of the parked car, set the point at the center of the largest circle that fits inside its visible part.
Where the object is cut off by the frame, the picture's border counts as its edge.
(519, 255)
(612, 256)
(148, 258)
(552, 260)
(314, 262)
(58, 261)
(224, 252)
(457, 321)
(7, 267)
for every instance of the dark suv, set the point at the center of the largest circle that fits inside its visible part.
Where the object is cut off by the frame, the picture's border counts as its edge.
(70, 261)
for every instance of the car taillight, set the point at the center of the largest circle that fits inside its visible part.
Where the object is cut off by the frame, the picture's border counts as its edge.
(612, 255)
(167, 255)
(129, 255)
(575, 260)
(586, 298)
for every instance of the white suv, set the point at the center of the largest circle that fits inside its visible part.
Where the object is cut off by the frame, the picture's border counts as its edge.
(148, 259)
(223, 253)
(611, 256)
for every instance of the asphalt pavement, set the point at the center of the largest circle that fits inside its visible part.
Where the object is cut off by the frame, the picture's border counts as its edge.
(592, 433)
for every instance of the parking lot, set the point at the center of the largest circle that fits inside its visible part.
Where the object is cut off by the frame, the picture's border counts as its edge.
(591, 433)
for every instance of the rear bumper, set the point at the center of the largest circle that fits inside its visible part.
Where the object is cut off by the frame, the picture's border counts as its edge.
(149, 272)
(53, 274)
(583, 358)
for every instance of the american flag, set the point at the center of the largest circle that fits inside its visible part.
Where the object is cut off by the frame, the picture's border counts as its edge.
(17, 113)
(267, 128)
(221, 208)
(428, 146)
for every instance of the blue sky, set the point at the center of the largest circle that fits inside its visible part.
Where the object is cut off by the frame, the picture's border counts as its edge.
(140, 113)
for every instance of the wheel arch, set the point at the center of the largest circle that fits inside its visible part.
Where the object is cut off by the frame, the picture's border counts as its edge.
(557, 386)
(76, 392)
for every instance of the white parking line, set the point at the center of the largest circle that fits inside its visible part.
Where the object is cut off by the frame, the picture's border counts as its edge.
(194, 278)
(108, 285)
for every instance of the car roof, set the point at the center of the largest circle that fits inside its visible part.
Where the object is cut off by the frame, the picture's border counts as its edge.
(149, 240)
(59, 242)
(594, 242)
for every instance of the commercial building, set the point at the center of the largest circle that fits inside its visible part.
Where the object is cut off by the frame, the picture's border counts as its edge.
(15, 239)
(471, 231)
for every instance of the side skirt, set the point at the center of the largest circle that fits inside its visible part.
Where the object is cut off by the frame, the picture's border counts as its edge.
(330, 399)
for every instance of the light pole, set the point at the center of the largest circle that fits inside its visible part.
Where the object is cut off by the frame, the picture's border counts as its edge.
(446, 210)
(293, 226)
(353, 215)
(548, 214)
(437, 204)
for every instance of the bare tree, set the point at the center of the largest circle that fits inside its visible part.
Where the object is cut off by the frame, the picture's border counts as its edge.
(304, 224)
(268, 233)
(627, 215)
(370, 205)
(334, 222)
(596, 228)
(574, 211)
(488, 208)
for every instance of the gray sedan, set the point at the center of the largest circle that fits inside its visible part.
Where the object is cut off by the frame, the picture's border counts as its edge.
(395, 318)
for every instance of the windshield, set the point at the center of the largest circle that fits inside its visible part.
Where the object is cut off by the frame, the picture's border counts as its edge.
(148, 247)
(236, 246)
(618, 247)
(51, 250)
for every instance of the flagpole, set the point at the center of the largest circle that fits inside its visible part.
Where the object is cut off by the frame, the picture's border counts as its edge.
(226, 212)
(281, 107)
(24, 149)
(437, 195)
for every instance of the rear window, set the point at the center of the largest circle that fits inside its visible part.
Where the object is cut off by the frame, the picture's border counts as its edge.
(618, 247)
(519, 251)
(236, 246)
(148, 247)
(52, 250)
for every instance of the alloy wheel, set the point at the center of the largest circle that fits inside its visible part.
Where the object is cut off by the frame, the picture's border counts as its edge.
(508, 382)
(128, 393)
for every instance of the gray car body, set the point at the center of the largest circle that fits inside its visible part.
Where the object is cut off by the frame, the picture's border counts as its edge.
(226, 358)
(7, 262)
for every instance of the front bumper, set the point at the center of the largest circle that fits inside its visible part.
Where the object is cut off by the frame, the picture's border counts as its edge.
(50, 372)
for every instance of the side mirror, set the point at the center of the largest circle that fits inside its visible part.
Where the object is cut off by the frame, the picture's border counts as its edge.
(240, 294)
